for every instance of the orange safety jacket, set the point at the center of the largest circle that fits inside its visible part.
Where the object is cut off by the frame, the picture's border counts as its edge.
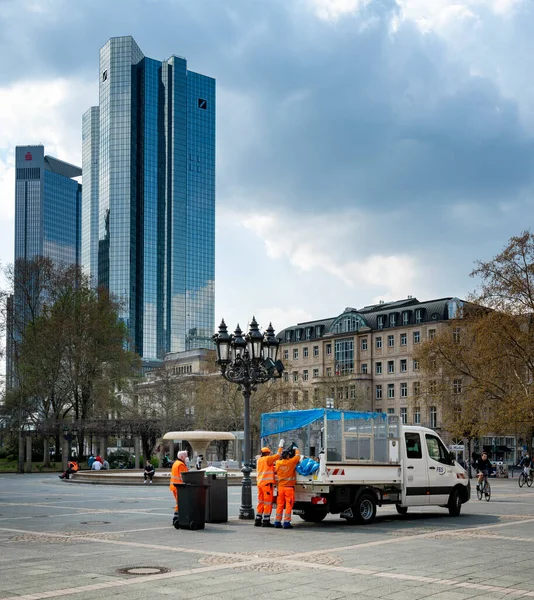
(265, 469)
(72, 464)
(178, 467)
(286, 473)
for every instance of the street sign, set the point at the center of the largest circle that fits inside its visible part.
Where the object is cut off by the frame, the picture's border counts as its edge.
(457, 447)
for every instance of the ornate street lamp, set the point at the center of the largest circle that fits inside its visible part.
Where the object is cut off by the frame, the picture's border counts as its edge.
(248, 362)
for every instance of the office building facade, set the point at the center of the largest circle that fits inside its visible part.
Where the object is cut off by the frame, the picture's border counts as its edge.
(148, 221)
(363, 359)
(47, 223)
(366, 359)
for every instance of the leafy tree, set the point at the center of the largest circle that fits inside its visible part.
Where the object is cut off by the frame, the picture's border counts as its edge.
(70, 345)
(489, 351)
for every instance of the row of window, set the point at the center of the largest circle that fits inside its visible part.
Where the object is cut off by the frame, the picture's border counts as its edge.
(305, 352)
(342, 393)
(305, 334)
(364, 343)
(391, 366)
(416, 337)
(416, 389)
(391, 390)
(364, 369)
(392, 320)
(416, 415)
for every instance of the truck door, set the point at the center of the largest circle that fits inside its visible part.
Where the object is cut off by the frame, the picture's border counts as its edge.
(441, 475)
(415, 491)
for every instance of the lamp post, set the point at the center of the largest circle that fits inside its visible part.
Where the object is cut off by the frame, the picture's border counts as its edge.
(247, 361)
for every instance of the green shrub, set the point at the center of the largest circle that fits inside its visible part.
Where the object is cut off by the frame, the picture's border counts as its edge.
(154, 461)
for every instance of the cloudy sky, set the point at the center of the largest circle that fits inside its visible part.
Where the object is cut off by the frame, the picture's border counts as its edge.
(366, 149)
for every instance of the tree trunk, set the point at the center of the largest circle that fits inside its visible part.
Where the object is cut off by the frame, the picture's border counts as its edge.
(46, 451)
(146, 451)
(81, 437)
(57, 453)
(64, 454)
(29, 454)
(137, 451)
(20, 468)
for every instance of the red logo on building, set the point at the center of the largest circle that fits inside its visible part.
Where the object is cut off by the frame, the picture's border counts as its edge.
(28, 156)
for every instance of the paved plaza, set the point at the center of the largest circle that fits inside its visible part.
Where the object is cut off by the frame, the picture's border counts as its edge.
(60, 540)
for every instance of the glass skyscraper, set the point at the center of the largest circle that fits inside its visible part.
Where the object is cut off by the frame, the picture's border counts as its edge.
(47, 223)
(47, 207)
(148, 216)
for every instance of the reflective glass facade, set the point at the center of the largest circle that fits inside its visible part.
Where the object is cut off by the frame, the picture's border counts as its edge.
(90, 146)
(47, 207)
(154, 244)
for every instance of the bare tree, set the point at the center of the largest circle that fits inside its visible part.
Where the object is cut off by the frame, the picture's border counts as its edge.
(480, 369)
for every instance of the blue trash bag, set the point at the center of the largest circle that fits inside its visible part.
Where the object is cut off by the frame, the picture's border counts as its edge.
(307, 466)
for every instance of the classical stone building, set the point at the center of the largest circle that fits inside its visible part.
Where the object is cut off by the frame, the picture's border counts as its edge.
(363, 359)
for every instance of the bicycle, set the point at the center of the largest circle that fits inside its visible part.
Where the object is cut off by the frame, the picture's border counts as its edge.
(484, 489)
(524, 478)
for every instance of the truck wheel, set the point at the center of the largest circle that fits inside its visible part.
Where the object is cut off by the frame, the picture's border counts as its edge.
(402, 510)
(365, 508)
(312, 515)
(455, 503)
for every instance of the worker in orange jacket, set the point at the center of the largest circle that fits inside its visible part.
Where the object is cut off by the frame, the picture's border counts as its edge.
(72, 467)
(265, 483)
(286, 475)
(178, 467)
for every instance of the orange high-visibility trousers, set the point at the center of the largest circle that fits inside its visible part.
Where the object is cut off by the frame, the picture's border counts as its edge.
(175, 494)
(265, 500)
(286, 499)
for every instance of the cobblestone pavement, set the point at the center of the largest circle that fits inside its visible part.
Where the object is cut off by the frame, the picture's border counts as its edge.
(59, 540)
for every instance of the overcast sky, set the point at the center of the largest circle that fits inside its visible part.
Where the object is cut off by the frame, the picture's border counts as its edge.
(366, 149)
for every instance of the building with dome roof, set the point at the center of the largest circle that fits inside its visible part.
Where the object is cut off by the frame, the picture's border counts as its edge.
(363, 359)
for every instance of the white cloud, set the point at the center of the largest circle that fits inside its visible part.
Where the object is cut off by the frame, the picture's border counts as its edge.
(37, 112)
(437, 14)
(47, 112)
(428, 14)
(331, 10)
(295, 238)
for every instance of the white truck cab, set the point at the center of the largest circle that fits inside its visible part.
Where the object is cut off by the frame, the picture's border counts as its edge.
(367, 460)
(431, 476)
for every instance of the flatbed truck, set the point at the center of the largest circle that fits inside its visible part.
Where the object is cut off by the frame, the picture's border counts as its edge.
(368, 460)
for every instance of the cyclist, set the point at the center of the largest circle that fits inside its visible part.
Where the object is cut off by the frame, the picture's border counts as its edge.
(526, 463)
(483, 467)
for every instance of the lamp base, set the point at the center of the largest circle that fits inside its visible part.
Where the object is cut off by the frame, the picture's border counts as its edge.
(246, 510)
(246, 514)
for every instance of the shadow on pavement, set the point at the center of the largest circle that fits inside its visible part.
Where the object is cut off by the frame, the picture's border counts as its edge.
(386, 523)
